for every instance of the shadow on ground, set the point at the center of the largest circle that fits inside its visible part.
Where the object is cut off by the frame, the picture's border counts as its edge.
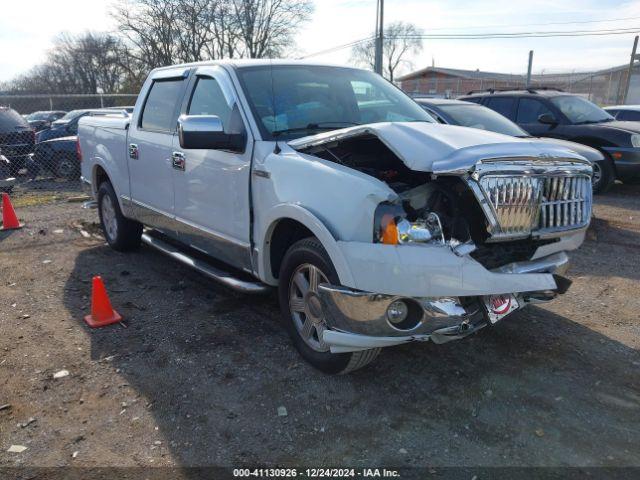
(538, 389)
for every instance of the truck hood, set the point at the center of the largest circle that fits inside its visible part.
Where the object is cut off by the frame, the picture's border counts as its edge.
(430, 147)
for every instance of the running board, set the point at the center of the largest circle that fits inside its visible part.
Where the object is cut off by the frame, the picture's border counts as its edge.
(220, 276)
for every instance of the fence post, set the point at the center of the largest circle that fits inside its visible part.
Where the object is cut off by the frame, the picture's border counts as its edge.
(101, 101)
(50, 103)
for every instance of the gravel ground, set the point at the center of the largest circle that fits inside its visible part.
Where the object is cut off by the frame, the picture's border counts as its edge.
(199, 375)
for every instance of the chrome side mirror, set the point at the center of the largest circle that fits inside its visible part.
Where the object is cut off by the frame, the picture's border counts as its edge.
(206, 132)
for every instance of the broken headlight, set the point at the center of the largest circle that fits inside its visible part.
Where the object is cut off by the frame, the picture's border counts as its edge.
(393, 228)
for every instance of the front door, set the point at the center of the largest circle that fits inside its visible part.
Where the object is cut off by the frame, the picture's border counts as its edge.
(149, 151)
(212, 204)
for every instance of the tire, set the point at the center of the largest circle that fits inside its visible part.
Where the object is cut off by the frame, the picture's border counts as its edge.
(603, 176)
(67, 168)
(297, 266)
(121, 233)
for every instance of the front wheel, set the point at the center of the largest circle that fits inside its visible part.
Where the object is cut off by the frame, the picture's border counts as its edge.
(305, 266)
(121, 233)
(603, 176)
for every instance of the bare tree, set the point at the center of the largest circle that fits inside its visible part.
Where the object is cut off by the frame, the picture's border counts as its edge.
(400, 39)
(267, 27)
(88, 63)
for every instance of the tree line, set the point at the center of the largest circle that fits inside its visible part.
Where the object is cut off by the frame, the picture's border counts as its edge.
(155, 33)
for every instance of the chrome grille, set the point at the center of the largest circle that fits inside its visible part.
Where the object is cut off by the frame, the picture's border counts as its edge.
(537, 204)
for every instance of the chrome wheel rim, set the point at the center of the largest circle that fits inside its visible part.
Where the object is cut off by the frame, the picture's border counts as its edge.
(305, 306)
(597, 173)
(109, 218)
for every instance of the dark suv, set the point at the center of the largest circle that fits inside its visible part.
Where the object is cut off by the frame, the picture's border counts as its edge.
(17, 139)
(556, 114)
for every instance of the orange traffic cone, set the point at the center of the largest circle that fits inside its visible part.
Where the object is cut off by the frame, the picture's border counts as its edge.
(9, 217)
(102, 313)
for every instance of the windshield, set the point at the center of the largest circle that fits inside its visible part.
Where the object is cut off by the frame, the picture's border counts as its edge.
(580, 110)
(38, 116)
(305, 100)
(477, 116)
(70, 116)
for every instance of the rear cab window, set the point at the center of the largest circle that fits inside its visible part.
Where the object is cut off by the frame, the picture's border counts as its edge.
(161, 105)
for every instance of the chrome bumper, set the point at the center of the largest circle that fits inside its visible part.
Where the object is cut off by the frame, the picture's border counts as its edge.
(357, 320)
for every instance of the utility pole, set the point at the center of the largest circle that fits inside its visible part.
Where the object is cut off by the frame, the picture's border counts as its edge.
(379, 36)
(528, 85)
(634, 57)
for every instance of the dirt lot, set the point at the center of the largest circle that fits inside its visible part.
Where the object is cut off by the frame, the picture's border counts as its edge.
(198, 376)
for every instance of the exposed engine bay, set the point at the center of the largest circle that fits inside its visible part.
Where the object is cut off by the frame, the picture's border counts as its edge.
(429, 209)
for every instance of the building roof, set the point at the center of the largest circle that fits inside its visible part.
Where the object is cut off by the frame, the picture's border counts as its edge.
(467, 74)
(537, 78)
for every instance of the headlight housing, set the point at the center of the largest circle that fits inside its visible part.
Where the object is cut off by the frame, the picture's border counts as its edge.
(392, 227)
(635, 140)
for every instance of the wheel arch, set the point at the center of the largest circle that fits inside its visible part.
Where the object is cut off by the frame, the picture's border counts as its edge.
(283, 226)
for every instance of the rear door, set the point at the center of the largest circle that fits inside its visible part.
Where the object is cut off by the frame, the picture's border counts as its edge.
(150, 146)
(505, 106)
(212, 202)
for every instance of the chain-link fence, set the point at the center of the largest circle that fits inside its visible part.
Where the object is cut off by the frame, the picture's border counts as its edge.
(38, 138)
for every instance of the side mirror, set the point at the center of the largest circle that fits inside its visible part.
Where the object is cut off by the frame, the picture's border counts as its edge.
(206, 132)
(547, 119)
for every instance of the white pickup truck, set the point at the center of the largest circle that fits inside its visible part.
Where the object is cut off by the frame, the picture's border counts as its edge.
(377, 226)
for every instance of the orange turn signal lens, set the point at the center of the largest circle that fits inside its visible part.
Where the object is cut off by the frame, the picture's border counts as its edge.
(389, 230)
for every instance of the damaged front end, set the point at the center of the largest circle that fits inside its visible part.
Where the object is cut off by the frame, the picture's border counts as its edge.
(481, 227)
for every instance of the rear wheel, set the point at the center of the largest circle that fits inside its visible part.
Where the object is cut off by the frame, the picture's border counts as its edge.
(305, 266)
(121, 233)
(603, 176)
(67, 168)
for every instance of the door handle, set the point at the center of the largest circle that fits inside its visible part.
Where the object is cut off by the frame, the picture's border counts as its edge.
(133, 151)
(178, 161)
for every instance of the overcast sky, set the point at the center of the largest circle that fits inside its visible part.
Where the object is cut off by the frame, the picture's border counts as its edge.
(28, 27)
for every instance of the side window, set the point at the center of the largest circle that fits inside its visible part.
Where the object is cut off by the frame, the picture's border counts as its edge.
(502, 105)
(160, 107)
(208, 99)
(614, 113)
(529, 109)
(628, 115)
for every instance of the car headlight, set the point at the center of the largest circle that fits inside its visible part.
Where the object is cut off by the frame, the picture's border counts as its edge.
(635, 140)
(393, 228)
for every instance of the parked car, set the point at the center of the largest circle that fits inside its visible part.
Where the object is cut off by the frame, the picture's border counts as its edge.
(68, 125)
(469, 114)
(556, 114)
(17, 139)
(41, 120)
(624, 112)
(6, 180)
(58, 156)
(377, 226)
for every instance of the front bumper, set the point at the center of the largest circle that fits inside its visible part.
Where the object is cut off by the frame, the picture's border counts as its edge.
(626, 159)
(357, 320)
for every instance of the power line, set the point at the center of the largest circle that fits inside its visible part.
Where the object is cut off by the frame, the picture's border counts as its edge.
(487, 36)
(338, 47)
(543, 34)
(536, 24)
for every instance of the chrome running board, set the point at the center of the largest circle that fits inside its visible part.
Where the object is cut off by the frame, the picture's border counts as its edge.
(220, 276)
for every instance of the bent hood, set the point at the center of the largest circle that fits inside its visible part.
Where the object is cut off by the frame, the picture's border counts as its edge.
(430, 147)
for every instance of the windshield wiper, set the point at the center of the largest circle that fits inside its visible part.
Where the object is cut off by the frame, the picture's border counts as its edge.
(314, 126)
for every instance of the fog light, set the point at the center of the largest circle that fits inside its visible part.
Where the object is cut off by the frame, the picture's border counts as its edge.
(397, 312)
